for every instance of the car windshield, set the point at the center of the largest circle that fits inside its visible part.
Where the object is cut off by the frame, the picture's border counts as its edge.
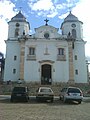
(45, 90)
(73, 90)
(21, 89)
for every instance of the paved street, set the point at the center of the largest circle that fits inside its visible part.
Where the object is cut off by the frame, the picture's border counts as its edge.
(43, 111)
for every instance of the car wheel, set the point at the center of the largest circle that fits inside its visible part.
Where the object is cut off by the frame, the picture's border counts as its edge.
(79, 102)
(37, 99)
(26, 100)
(60, 98)
(52, 100)
(11, 100)
(64, 100)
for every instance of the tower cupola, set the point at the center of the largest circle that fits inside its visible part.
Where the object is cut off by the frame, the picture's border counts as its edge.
(72, 25)
(19, 17)
(71, 18)
(18, 25)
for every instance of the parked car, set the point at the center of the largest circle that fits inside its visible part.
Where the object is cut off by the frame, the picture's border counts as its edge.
(71, 94)
(20, 94)
(44, 93)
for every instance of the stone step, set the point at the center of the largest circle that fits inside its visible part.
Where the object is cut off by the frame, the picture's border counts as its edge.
(56, 87)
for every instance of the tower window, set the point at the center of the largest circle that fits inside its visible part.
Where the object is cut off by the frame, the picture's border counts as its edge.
(74, 33)
(16, 32)
(73, 25)
(17, 24)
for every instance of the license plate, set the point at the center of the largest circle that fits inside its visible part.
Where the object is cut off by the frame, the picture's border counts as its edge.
(74, 94)
(18, 94)
(45, 95)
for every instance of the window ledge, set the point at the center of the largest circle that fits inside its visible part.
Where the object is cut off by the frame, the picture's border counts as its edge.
(61, 58)
(31, 57)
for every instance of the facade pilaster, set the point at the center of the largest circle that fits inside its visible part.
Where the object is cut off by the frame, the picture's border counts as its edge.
(22, 55)
(71, 65)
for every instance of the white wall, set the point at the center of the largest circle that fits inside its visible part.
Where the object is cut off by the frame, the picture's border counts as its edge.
(61, 73)
(13, 49)
(80, 63)
(60, 69)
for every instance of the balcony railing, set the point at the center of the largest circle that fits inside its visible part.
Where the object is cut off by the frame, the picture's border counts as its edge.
(31, 57)
(61, 57)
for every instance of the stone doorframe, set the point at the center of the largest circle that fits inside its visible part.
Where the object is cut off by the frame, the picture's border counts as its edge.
(46, 62)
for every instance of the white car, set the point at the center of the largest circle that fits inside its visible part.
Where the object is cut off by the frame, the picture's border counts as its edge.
(71, 94)
(44, 93)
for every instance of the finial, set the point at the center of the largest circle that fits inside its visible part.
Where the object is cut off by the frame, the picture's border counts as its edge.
(69, 7)
(20, 9)
(70, 11)
(46, 21)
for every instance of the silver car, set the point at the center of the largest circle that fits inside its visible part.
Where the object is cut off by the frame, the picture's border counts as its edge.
(44, 93)
(71, 94)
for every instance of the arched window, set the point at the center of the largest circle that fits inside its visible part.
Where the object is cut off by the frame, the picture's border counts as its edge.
(74, 33)
(16, 32)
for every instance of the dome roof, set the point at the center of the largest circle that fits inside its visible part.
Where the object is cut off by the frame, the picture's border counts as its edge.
(19, 17)
(71, 18)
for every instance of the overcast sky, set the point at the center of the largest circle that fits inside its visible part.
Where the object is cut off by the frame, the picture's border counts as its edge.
(37, 10)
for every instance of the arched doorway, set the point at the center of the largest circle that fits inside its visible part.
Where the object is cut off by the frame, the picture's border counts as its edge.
(46, 77)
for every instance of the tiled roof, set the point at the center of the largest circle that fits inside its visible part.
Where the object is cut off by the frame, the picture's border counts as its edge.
(19, 17)
(70, 17)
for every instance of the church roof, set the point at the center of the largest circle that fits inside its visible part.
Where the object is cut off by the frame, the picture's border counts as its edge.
(19, 17)
(71, 18)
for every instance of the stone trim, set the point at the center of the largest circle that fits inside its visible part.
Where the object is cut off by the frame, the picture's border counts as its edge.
(50, 61)
(22, 54)
(71, 67)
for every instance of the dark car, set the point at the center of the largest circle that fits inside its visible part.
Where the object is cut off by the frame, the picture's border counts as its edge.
(20, 94)
(44, 94)
(71, 94)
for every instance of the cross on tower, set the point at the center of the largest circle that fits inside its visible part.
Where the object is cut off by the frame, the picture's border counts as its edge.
(46, 21)
(20, 9)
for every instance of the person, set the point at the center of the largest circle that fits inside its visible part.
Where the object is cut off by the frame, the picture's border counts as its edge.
(50, 80)
(19, 81)
(8, 82)
(46, 80)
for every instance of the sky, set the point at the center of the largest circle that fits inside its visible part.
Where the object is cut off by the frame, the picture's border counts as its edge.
(36, 11)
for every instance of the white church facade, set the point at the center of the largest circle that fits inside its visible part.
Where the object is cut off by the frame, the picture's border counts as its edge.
(45, 56)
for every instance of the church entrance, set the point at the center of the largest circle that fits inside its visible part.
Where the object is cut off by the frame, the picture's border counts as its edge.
(46, 74)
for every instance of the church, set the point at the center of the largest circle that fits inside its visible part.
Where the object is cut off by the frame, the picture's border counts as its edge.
(45, 57)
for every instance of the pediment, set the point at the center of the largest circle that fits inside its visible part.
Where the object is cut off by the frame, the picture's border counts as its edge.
(47, 32)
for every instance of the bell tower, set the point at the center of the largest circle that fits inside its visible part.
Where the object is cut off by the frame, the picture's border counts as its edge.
(18, 26)
(73, 26)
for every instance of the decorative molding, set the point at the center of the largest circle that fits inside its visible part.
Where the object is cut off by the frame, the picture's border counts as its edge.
(50, 61)
(31, 57)
(46, 51)
(61, 57)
